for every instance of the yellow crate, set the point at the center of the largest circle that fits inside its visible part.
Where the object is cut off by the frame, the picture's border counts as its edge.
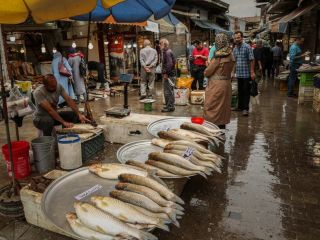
(24, 85)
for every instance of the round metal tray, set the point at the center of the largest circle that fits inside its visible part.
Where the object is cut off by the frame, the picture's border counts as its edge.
(171, 123)
(60, 195)
(137, 151)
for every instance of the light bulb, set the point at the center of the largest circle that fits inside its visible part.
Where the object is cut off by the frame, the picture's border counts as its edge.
(106, 42)
(43, 48)
(12, 38)
(210, 46)
(307, 58)
(125, 46)
(80, 33)
(134, 45)
(74, 45)
(116, 42)
(90, 46)
(205, 43)
(54, 50)
(129, 46)
(22, 50)
(140, 46)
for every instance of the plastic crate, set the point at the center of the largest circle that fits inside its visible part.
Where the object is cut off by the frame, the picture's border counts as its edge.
(305, 94)
(306, 79)
(92, 146)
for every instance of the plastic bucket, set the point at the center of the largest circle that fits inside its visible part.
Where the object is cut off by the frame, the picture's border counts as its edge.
(148, 106)
(20, 156)
(70, 153)
(44, 153)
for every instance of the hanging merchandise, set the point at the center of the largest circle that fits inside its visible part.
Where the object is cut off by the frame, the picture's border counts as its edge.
(18, 105)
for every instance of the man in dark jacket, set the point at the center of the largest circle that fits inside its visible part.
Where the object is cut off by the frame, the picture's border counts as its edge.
(168, 75)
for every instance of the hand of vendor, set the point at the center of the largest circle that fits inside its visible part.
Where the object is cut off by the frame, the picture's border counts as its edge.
(67, 124)
(165, 76)
(83, 119)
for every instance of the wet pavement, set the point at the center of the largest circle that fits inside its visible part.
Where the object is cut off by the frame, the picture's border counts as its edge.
(270, 186)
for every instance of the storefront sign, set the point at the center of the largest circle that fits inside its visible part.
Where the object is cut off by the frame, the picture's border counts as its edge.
(152, 27)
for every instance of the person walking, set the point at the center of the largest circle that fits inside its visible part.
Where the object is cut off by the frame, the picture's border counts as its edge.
(217, 104)
(296, 59)
(244, 71)
(65, 82)
(277, 58)
(267, 60)
(258, 58)
(200, 56)
(168, 75)
(148, 61)
(74, 59)
(190, 49)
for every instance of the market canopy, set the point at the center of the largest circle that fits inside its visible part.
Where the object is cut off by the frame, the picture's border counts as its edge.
(129, 11)
(179, 26)
(212, 26)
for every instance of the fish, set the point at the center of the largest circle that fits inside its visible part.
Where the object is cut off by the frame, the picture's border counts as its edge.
(74, 130)
(195, 160)
(145, 202)
(126, 213)
(83, 231)
(169, 135)
(198, 147)
(160, 172)
(201, 129)
(113, 170)
(192, 135)
(213, 158)
(142, 226)
(152, 214)
(148, 192)
(174, 169)
(178, 161)
(106, 223)
(148, 182)
(160, 142)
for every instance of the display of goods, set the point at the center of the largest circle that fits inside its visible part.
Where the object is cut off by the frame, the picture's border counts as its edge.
(306, 79)
(305, 94)
(197, 97)
(184, 82)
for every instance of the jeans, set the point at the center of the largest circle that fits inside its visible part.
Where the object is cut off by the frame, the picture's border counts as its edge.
(198, 75)
(293, 76)
(168, 91)
(47, 123)
(147, 79)
(244, 93)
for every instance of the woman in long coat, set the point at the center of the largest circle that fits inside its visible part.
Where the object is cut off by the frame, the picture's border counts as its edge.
(217, 105)
(79, 86)
(64, 81)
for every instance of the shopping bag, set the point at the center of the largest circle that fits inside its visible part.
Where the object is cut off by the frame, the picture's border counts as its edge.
(63, 70)
(158, 69)
(254, 88)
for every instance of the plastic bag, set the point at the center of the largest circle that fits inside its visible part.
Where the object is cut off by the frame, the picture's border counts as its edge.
(184, 82)
(254, 88)
(158, 69)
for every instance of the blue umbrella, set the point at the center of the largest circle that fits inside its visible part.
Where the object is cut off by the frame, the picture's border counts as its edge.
(130, 11)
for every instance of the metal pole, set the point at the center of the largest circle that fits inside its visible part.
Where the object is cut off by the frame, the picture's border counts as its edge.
(88, 37)
(5, 113)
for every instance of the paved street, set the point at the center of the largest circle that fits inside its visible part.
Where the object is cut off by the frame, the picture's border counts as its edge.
(269, 188)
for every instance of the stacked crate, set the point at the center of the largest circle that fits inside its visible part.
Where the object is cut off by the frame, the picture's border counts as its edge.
(316, 96)
(306, 89)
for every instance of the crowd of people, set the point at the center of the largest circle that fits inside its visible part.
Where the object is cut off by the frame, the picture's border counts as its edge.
(212, 71)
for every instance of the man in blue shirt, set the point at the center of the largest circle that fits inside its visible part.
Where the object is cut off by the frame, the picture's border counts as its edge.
(244, 71)
(296, 60)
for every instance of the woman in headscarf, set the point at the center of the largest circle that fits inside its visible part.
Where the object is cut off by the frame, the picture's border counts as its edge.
(217, 105)
(74, 59)
(64, 81)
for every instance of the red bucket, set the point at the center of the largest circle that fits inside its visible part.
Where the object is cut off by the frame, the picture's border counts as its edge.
(20, 156)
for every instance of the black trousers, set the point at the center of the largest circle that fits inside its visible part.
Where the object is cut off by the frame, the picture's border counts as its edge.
(198, 75)
(244, 93)
(47, 123)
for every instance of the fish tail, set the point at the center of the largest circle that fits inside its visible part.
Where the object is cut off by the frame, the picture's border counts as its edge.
(173, 217)
(207, 171)
(177, 211)
(177, 199)
(146, 236)
(162, 225)
(175, 206)
(202, 174)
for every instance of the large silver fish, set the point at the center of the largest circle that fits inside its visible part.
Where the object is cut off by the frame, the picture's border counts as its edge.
(160, 172)
(106, 223)
(201, 129)
(160, 142)
(148, 182)
(178, 161)
(83, 231)
(148, 192)
(174, 169)
(145, 202)
(126, 213)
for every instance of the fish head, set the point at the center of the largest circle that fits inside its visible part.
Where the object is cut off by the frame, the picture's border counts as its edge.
(71, 217)
(121, 186)
(95, 199)
(95, 168)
